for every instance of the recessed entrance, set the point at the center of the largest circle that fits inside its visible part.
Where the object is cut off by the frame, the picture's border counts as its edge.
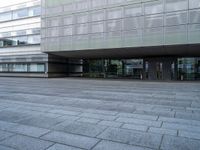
(160, 68)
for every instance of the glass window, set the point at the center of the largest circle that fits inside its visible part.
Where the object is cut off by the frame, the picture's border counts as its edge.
(114, 25)
(37, 68)
(153, 21)
(5, 16)
(194, 4)
(82, 18)
(68, 30)
(69, 7)
(82, 29)
(52, 32)
(133, 10)
(34, 39)
(153, 7)
(3, 67)
(174, 5)
(21, 32)
(81, 4)
(114, 1)
(194, 16)
(133, 23)
(5, 42)
(18, 68)
(98, 3)
(5, 34)
(97, 16)
(97, 27)
(35, 11)
(20, 13)
(68, 20)
(114, 13)
(20, 40)
(36, 31)
(176, 18)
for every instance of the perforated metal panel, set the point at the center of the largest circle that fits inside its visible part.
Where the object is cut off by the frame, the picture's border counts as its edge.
(121, 23)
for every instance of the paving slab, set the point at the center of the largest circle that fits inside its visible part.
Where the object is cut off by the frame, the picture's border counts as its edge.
(71, 139)
(20, 142)
(83, 128)
(62, 147)
(179, 143)
(108, 145)
(132, 137)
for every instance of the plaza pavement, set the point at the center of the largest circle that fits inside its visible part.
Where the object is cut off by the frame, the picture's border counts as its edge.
(86, 114)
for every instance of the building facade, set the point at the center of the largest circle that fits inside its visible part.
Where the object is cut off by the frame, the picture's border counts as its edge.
(140, 39)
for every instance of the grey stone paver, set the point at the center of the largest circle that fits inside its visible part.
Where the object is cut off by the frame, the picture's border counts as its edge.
(163, 131)
(4, 135)
(71, 139)
(193, 135)
(184, 127)
(108, 145)
(135, 127)
(75, 114)
(62, 147)
(43, 122)
(26, 143)
(88, 120)
(29, 130)
(132, 137)
(83, 128)
(139, 121)
(110, 123)
(178, 143)
(98, 116)
(5, 148)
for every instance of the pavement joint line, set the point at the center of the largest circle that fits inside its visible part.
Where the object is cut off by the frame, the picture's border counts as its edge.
(50, 146)
(96, 144)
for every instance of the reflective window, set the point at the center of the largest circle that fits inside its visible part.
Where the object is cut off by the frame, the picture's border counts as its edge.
(153, 7)
(5, 34)
(114, 25)
(5, 16)
(18, 67)
(133, 10)
(68, 20)
(34, 39)
(97, 27)
(82, 29)
(68, 30)
(153, 21)
(20, 13)
(174, 5)
(35, 11)
(98, 3)
(23, 40)
(82, 18)
(194, 4)
(97, 16)
(194, 16)
(176, 18)
(114, 1)
(114, 13)
(36, 68)
(81, 4)
(133, 23)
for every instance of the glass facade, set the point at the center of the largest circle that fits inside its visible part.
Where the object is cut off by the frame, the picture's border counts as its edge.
(22, 67)
(100, 24)
(113, 68)
(188, 69)
(20, 13)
